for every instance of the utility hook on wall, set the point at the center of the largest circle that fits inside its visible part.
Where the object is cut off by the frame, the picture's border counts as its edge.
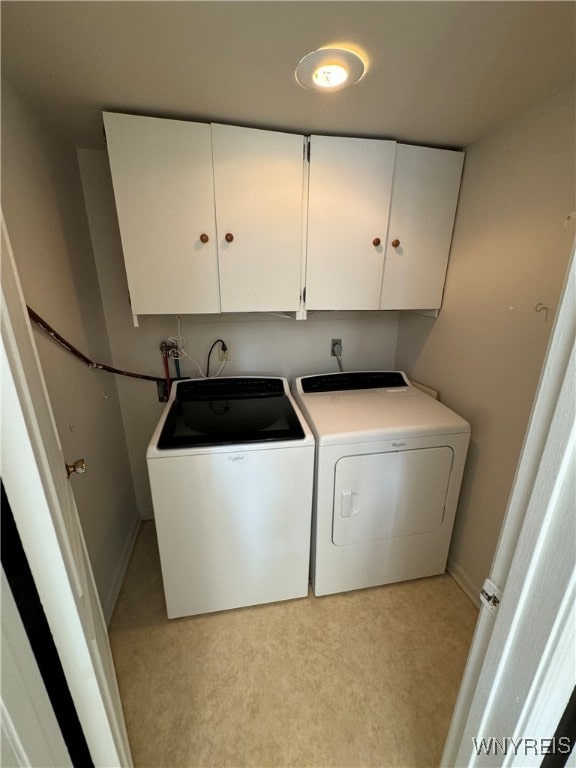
(542, 308)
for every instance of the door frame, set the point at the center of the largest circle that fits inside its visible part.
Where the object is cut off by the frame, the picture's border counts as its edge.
(60, 566)
(29, 731)
(520, 671)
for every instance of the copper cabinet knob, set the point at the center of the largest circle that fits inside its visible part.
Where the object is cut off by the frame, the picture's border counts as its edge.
(376, 241)
(229, 237)
(395, 243)
(204, 238)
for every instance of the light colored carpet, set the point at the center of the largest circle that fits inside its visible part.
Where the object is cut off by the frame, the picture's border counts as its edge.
(366, 678)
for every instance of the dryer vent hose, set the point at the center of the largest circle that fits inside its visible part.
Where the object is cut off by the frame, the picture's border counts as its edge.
(44, 326)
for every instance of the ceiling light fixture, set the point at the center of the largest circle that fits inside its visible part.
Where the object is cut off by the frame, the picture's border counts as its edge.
(330, 69)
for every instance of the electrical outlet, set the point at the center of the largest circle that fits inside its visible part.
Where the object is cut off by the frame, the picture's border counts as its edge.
(336, 347)
(224, 355)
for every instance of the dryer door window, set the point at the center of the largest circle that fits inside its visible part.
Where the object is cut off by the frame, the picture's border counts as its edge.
(388, 495)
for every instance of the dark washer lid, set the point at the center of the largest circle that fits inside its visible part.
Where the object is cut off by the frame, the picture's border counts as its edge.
(229, 411)
(235, 387)
(335, 382)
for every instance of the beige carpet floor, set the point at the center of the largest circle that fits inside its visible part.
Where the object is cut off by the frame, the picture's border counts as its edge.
(366, 678)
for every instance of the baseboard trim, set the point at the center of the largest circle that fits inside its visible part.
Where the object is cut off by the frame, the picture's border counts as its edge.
(471, 590)
(147, 513)
(110, 603)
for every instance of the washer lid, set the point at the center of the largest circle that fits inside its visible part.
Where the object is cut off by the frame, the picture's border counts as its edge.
(353, 415)
(229, 411)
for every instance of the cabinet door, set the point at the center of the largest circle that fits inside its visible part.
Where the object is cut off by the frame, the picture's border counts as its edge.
(424, 198)
(348, 202)
(258, 179)
(164, 190)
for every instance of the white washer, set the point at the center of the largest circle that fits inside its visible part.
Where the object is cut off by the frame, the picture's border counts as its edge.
(231, 467)
(389, 464)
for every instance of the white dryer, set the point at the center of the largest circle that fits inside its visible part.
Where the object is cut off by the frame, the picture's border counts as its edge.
(389, 464)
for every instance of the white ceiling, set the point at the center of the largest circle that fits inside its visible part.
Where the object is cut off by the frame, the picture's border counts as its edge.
(441, 73)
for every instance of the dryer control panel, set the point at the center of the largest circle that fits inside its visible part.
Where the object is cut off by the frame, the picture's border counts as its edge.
(336, 382)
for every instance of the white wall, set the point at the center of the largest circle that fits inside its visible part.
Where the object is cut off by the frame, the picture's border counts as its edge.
(485, 351)
(259, 344)
(46, 220)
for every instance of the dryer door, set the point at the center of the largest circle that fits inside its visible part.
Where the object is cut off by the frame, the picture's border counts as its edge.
(386, 495)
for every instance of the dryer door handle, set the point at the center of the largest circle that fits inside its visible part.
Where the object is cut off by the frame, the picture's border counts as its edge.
(349, 505)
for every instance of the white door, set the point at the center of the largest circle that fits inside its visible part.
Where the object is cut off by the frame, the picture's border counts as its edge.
(385, 495)
(422, 211)
(164, 191)
(34, 475)
(258, 178)
(348, 203)
(30, 734)
(520, 671)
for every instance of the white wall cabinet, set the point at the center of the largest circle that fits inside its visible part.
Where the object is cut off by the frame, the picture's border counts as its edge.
(164, 190)
(349, 191)
(213, 218)
(258, 177)
(210, 216)
(422, 210)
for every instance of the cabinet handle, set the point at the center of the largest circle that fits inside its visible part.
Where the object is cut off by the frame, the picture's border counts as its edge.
(395, 243)
(204, 238)
(376, 241)
(229, 237)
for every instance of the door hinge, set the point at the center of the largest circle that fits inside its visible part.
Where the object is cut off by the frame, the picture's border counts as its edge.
(304, 295)
(491, 595)
(308, 150)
